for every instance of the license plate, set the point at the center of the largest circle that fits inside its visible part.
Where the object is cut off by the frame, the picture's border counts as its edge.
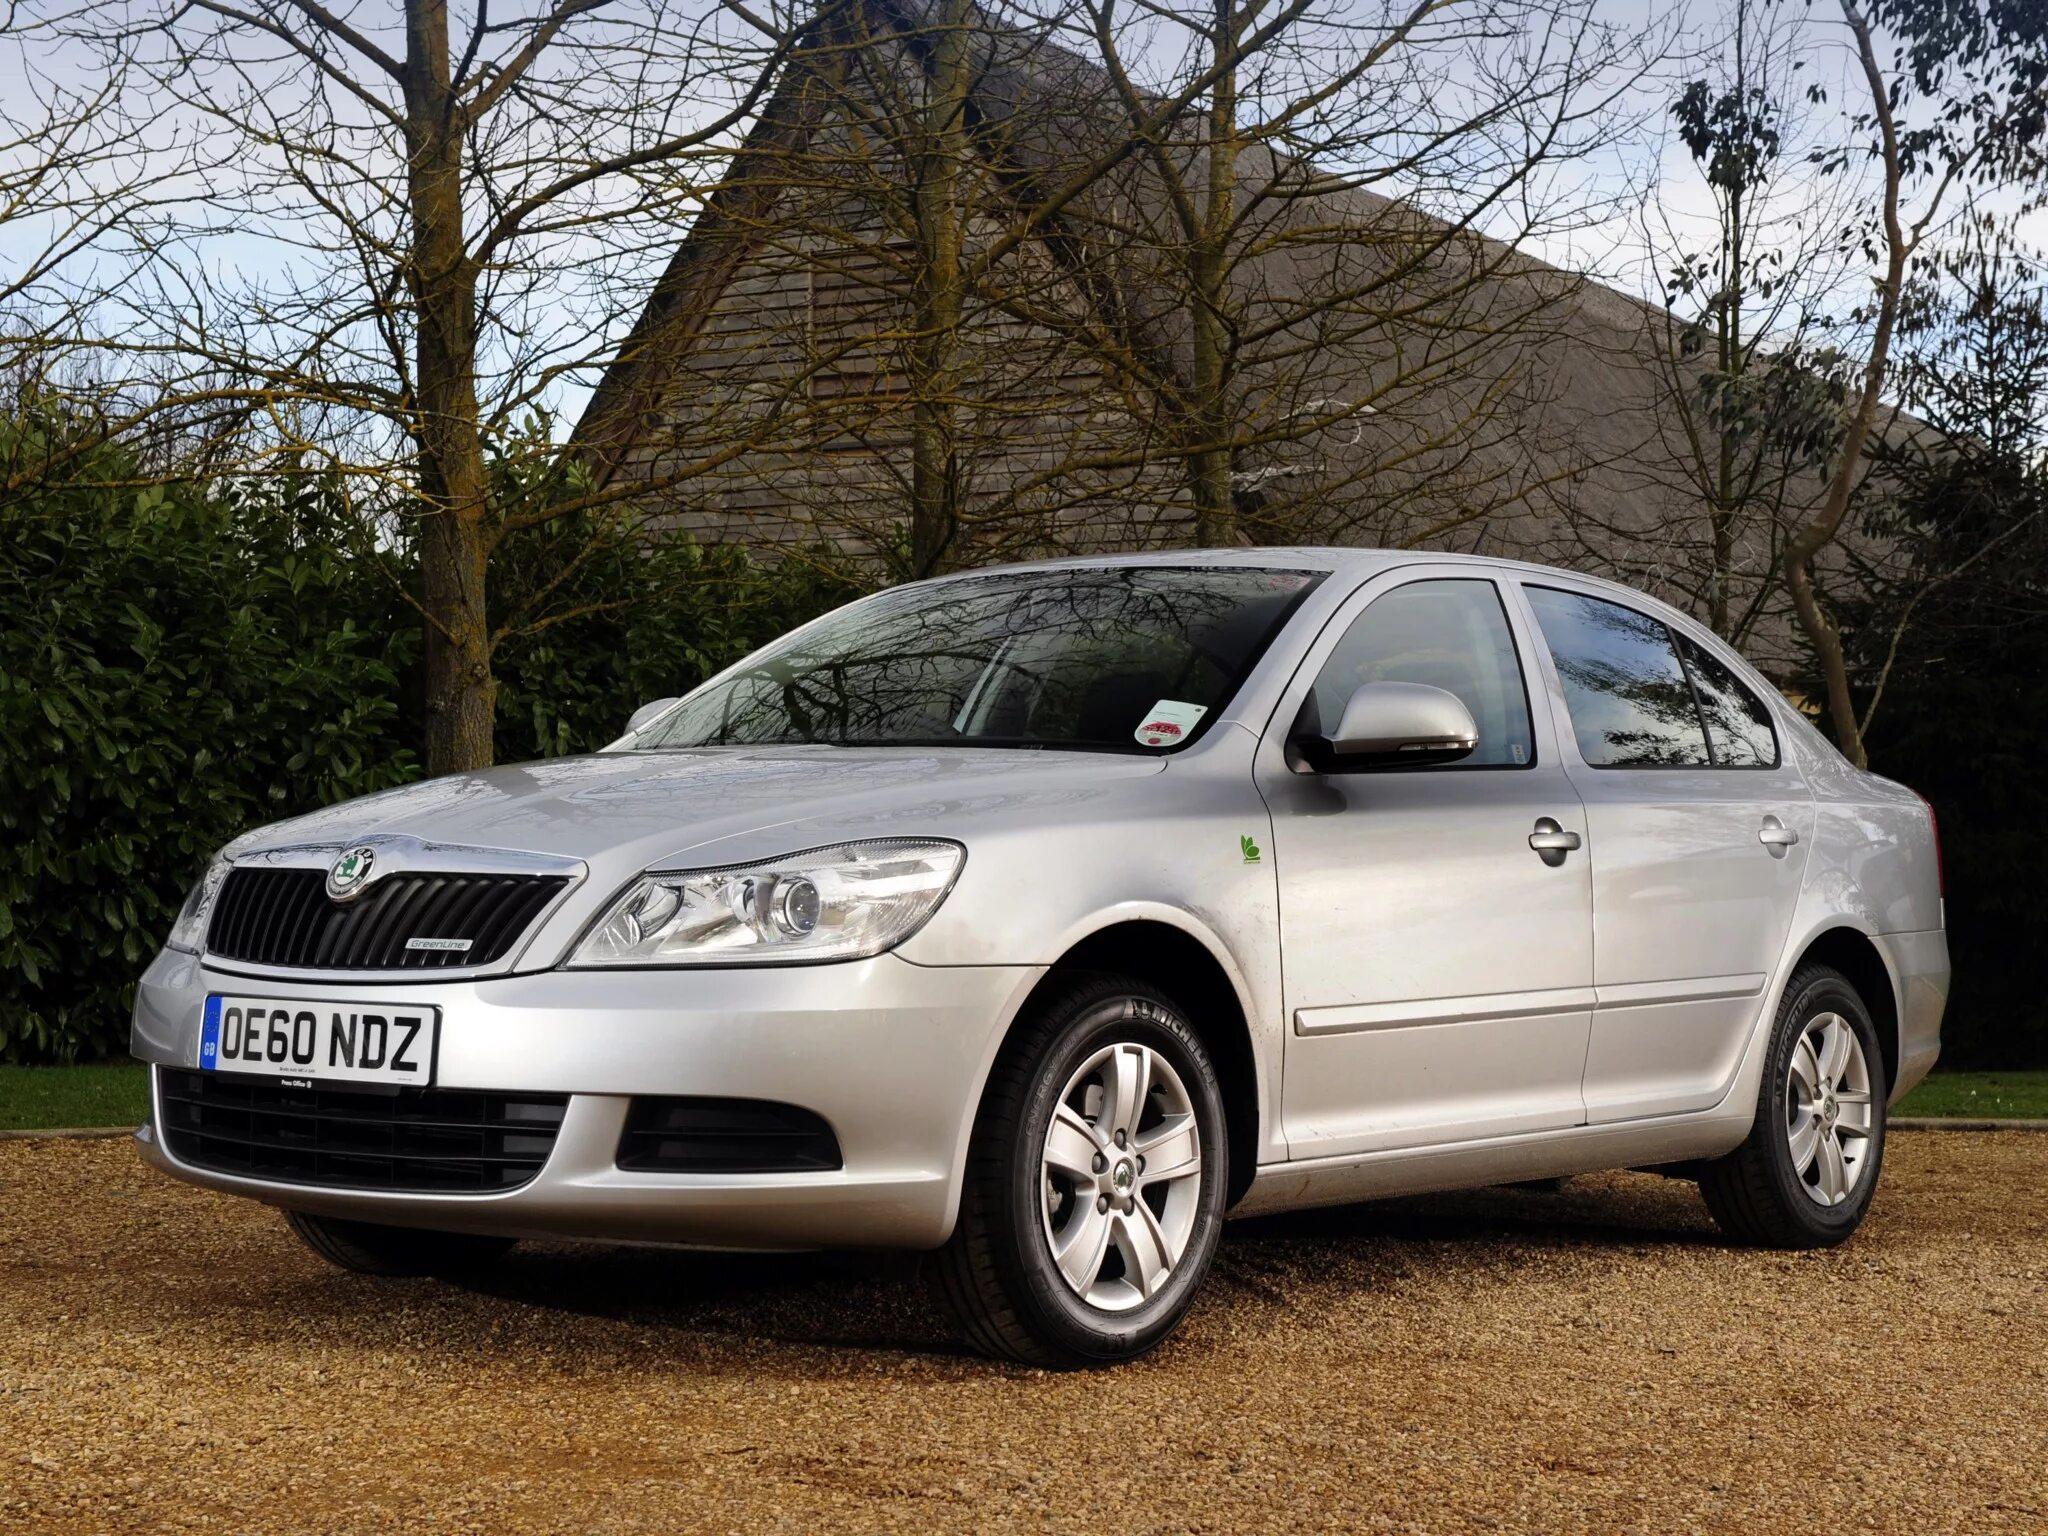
(313, 1041)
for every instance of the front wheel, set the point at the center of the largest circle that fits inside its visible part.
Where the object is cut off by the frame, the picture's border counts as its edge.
(1095, 1181)
(1806, 1174)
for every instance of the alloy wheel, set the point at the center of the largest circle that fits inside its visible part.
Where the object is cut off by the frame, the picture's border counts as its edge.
(1122, 1174)
(1829, 1117)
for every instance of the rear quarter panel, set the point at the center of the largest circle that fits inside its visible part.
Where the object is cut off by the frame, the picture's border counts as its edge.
(1875, 867)
(1874, 854)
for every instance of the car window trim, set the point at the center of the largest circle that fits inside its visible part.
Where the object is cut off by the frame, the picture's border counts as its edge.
(1699, 702)
(1671, 639)
(1285, 616)
(1692, 686)
(1342, 625)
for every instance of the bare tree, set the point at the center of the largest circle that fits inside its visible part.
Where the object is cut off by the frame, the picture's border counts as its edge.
(1313, 279)
(74, 193)
(52, 141)
(1958, 105)
(988, 251)
(1745, 414)
(404, 237)
(897, 204)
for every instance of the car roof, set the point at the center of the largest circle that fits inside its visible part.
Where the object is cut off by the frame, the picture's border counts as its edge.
(1360, 561)
(1295, 557)
(1298, 557)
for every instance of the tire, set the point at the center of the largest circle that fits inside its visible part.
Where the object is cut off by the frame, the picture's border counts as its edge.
(1770, 1190)
(365, 1248)
(1071, 1063)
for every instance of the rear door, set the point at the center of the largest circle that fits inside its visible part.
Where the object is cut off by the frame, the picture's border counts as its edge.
(1438, 969)
(1699, 831)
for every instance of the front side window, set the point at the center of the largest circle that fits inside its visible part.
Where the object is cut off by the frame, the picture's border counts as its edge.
(1449, 634)
(1131, 658)
(1738, 723)
(1631, 704)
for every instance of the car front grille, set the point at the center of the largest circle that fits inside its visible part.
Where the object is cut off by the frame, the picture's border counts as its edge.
(283, 917)
(427, 1140)
(703, 1135)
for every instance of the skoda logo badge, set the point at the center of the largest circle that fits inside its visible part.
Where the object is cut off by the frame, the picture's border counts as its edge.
(347, 875)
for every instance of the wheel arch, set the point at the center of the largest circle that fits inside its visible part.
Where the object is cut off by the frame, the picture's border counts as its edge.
(1188, 969)
(1856, 955)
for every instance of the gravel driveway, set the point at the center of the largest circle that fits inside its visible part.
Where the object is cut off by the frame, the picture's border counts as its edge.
(1507, 1360)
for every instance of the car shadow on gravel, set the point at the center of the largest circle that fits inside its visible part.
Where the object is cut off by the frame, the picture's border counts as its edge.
(824, 1300)
(1629, 1209)
(719, 1309)
(880, 1301)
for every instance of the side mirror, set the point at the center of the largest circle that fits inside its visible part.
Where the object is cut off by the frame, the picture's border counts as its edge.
(645, 713)
(1395, 725)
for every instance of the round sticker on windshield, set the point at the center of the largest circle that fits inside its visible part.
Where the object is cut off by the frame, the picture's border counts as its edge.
(1170, 722)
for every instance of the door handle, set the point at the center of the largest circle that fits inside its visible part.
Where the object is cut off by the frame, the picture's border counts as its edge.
(1551, 841)
(1776, 836)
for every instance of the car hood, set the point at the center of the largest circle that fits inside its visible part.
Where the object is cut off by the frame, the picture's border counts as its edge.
(713, 805)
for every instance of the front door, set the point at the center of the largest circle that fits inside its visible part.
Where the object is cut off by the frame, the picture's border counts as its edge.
(1437, 969)
(1700, 829)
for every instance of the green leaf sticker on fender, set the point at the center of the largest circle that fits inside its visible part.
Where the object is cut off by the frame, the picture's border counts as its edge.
(1249, 849)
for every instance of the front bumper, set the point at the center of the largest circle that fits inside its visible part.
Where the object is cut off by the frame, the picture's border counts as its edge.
(893, 1055)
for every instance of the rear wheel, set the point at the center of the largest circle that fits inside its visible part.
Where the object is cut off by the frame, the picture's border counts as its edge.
(368, 1248)
(1805, 1176)
(1095, 1182)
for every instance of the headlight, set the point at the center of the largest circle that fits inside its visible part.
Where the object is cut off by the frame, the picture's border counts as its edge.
(841, 903)
(189, 931)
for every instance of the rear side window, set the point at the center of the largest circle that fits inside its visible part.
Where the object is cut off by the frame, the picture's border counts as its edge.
(1738, 723)
(1451, 635)
(1630, 701)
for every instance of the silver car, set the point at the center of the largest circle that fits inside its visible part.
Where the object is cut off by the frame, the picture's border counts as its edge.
(1045, 916)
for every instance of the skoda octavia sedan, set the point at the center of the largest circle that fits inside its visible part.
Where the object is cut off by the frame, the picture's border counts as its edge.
(1044, 916)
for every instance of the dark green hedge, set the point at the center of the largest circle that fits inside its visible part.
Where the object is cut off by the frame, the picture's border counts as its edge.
(177, 667)
(651, 618)
(1964, 720)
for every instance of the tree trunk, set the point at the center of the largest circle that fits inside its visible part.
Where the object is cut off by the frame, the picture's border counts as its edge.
(456, 536)
(462, 693)
(1734, 367)
(937, 298)
(1826, 641)
(1721, 520)
(1807, 540)
(1209, 462)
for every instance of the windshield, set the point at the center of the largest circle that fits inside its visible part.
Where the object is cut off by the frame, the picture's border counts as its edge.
(1133, 658)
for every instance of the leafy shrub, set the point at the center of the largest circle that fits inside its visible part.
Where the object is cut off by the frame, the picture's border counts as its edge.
(174, 668)
(641, 618)
(180, 664)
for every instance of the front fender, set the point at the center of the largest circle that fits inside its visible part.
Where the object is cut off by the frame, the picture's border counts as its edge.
(1191, 851)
